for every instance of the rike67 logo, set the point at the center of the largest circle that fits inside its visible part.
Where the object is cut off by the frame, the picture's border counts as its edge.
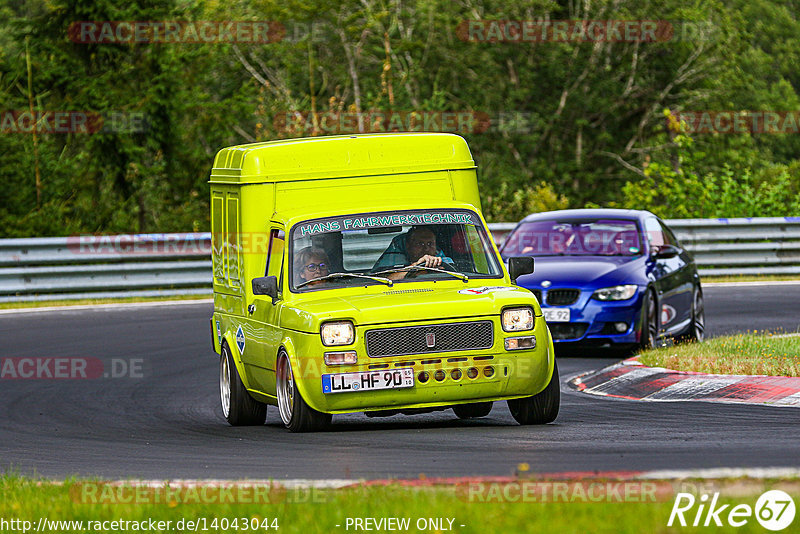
(774, 510)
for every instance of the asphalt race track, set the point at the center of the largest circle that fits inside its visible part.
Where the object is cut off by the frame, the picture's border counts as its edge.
(167, 423)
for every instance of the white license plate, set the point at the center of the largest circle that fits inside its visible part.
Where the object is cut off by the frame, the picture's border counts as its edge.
(368, 381)
(556, 315)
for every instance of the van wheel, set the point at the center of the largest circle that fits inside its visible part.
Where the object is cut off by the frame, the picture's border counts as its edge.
(296, 415)
(238, 407)
(541, 408)
(474, 409)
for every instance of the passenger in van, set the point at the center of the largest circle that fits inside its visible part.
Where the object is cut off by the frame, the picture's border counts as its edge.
(416, 247)
(311, 263)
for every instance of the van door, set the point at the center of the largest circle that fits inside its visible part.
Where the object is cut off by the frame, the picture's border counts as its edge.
(265, 318)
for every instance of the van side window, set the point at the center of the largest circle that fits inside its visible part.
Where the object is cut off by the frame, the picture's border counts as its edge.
(234, 265)
(217, 239)
(274, 267)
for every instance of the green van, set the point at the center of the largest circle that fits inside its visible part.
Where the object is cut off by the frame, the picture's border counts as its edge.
(356, 274)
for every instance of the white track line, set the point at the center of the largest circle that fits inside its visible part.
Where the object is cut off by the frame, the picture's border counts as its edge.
(751, 284)
(303, 483)
(116, 305)
(724, 472)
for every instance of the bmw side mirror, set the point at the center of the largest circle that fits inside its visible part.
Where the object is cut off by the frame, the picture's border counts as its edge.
(518, 266)
(266, 285)
(665, 252)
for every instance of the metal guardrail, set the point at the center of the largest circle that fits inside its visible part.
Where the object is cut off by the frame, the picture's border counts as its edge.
(81, 267)
(178, 264)
(758, 245)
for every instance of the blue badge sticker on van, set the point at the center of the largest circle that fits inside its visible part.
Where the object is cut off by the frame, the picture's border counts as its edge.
(240, 339)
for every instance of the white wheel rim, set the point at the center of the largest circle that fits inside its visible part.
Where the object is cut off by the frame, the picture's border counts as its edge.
(652, 333)
(225, 384)
(285, 390)
(699, 318)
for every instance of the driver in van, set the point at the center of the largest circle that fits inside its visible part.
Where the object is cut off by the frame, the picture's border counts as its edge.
(416, 247)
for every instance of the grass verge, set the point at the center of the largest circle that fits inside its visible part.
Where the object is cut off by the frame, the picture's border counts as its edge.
(750, 353)
(580, 507)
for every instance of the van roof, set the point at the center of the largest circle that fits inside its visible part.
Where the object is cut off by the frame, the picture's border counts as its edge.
(340, 156)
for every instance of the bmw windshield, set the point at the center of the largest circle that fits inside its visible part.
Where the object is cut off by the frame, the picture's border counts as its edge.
(596, 237)
(388, 247)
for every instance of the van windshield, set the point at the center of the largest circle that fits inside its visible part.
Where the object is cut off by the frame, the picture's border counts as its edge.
(389, 247)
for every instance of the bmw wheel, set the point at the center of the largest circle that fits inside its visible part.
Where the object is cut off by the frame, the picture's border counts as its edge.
(649, 328)
(296, 415)
(697, 330)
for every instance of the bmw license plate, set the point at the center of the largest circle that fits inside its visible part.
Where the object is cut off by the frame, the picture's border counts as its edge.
(368, 381)
(556, 315)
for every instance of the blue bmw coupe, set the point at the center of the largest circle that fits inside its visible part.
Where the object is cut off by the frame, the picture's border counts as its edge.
(609, 278)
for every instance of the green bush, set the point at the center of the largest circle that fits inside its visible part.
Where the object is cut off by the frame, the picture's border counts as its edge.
(773, 192)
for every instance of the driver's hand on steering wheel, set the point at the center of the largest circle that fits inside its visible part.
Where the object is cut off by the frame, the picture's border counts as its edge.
(429, 261)
(425, 261)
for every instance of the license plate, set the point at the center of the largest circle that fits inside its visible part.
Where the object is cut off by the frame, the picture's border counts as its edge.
(556, 315)
(368, 381)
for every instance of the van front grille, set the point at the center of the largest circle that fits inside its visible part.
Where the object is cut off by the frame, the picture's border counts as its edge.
(478, 335)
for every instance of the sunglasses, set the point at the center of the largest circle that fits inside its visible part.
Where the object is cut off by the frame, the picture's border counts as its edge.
(422, 243)
(316, 267)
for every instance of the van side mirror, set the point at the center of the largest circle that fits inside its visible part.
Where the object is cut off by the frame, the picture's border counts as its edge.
(518, 266)
(665, 252)
(266, 285)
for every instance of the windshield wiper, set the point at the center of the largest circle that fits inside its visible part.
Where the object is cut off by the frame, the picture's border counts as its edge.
(386, 281)
(462, 277)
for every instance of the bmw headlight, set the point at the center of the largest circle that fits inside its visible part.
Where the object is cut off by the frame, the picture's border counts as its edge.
(615, 293)
(516, 319)
(337, 333)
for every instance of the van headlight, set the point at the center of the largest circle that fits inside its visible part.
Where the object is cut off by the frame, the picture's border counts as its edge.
(516, 319)
(615, 293)
(337, 333)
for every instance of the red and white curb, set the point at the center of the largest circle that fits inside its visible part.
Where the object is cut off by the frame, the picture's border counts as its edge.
(632, 380)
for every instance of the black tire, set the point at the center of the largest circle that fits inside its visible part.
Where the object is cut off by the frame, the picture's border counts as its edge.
(543, 407)
(649, 329)
(697, 328)
(474, 409)
(296, 415)
(238, 407)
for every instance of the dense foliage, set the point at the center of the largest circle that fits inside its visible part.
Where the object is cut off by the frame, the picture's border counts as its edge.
(562, 123)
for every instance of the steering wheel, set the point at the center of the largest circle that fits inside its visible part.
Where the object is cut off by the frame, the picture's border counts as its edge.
(412, 273)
